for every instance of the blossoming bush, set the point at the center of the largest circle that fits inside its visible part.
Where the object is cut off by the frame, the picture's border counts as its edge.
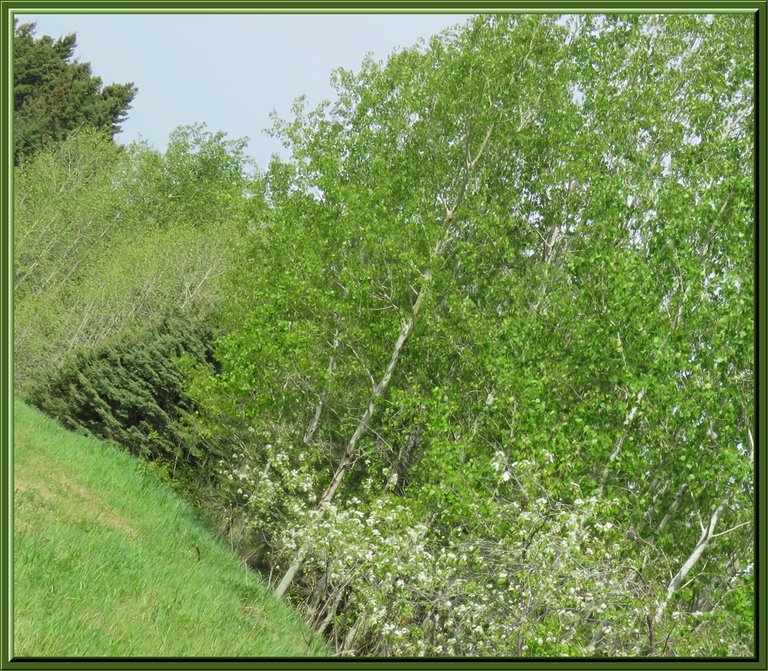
(544, 579)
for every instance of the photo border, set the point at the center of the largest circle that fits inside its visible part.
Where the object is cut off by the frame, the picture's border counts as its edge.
(8, 8)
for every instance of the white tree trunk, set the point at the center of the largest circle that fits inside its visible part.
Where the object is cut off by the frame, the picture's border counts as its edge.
(688, 564)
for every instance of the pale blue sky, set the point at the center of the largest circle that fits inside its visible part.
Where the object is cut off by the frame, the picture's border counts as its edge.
(229, 71)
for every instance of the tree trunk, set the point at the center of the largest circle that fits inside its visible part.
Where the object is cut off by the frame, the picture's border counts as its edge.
(315, 421)
(350, 452)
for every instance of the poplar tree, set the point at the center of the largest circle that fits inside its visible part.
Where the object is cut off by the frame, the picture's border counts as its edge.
(489, 377)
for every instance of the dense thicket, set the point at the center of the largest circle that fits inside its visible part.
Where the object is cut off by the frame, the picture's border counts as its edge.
(488, 382)
(484, 373)
(55, 95)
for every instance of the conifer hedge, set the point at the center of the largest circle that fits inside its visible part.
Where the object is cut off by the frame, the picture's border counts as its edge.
(130, 390)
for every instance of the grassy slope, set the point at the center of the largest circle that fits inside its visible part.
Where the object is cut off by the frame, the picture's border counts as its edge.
(106, 562)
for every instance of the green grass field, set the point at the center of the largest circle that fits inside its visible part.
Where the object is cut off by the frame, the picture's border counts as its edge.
(109, 562)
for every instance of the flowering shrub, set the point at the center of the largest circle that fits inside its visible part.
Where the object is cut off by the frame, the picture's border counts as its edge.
(547, 579)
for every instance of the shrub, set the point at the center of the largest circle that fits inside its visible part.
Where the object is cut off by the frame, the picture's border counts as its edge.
(130, 390)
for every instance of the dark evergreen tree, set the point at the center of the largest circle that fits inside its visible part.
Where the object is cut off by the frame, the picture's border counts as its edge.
(130, 390)
(54, 95)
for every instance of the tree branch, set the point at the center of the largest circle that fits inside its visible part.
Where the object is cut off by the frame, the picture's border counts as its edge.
(688, 564)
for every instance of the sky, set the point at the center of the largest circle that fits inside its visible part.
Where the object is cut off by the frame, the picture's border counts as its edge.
(229, 71)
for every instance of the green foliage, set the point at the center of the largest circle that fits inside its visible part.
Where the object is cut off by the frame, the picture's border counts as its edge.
(130, 390)
(502, 297)
(66, 218)
(108, 562)
(54, 95)
(66, 212)
(100, 244)
(198, 181)
(484, 378)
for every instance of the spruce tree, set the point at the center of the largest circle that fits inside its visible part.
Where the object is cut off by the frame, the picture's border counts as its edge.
(55, 95)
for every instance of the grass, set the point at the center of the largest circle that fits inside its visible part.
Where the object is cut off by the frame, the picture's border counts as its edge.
(109, 562)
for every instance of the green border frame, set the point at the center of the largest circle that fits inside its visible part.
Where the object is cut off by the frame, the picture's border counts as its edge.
(759, 8)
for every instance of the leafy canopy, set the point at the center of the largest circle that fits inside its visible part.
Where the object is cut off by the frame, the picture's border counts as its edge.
(499, 304)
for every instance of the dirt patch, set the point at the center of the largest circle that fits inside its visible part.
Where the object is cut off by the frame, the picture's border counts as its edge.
(98, 506)
(36, 487)
(88, 506)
